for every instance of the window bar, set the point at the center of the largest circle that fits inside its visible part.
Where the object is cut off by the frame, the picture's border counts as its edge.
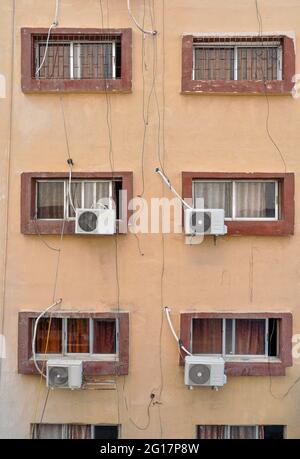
(233, 347)
(91, 336)
(233, 200)
(65, 336)
(235, 60)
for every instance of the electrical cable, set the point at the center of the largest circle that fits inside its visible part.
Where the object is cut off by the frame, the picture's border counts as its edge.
(169, 185)
(179, 342)
(54, 24)
(35, 332)
(8, 173)
(111, 161)
(147, 32)
(267, 123)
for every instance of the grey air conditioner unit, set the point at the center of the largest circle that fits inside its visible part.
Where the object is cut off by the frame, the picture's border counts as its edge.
(95, 221)
(64, 374)
(204, 371)
(199, 222)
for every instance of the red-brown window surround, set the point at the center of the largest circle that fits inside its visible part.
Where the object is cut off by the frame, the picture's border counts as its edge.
(284, 86)
(28, 200)
(32, 85)
(248, 368)
(282, 227)
(91, 367)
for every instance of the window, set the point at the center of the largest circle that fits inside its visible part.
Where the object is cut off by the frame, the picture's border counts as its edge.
(74, 431)
(235, 338)
(252, 344)
(53, 197)
(238, 64)
(83, 60)
(221, 432)
(45, 199)
(250, 200)
(77, 336)
(255, 204)
(218, 59)
(99, 339)
(73, 57)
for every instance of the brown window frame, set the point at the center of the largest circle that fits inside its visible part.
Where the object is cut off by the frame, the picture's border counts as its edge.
(28, 200)
(248, 368)
(91, 367)
(282, 227)
(30, 84)
(284, 86)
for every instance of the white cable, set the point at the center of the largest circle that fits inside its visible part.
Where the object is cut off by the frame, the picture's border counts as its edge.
(69, 188)
(168, 183)
(148, 32)
(167, 311)
(35, 332)
(54, 24)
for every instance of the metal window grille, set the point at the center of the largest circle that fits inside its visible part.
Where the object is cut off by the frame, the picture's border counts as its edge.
(237, 58)
(73, 57)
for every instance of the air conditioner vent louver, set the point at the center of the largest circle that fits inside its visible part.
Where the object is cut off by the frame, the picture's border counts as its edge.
(199, 374)
(95, 221)
(58, 377)
(199, 222)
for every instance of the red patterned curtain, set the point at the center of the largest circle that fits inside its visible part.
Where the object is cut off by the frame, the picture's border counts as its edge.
(104, 337)
(250, 336)
(207, 336)
(55, 336)
(78, 336)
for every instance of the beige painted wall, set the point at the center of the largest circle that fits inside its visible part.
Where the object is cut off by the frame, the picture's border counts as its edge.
(207, 133)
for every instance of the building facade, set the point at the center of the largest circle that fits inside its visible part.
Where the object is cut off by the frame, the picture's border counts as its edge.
(91, 108)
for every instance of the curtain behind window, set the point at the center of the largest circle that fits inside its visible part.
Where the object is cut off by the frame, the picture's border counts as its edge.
(48, 431)
(243, 432)
(78, 336)
(79, 432)
(216, 195)
(104, 337)
(50, 200)
(55, 336)
(255, 199)
(211, 432)
(207, 336)
(250, 336)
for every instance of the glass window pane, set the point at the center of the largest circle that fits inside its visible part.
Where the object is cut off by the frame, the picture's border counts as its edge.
(106, 432)
(78, 432)
(216, 195)
(89, 202)
(229, 341)
(250, 336)
(76, 197)
(95, 60)
(78, 336)
(257, 63)
(57, 60)
(104, 337)
(207, 336)
(50, 200)
(55, 336)
(211, 432)
(48, 431)
(102, 194)
(255, 199)
(214, 63)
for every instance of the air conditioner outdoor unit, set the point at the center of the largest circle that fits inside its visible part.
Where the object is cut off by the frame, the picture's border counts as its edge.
(204, 371)
(95, 221)
(64, 374)
(204, 221)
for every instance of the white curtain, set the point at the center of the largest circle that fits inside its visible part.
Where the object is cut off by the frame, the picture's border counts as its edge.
(255, 199)
(216, 195)
(48, 431)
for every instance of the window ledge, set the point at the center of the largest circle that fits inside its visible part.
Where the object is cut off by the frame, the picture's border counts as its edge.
(254, 87)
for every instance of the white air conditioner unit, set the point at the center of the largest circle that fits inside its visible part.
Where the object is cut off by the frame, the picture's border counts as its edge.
(204, 371)
(95, 221)
(64, 374)
(199, 222)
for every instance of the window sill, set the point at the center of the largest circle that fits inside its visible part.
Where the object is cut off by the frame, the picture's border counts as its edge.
(77, 86)
(83, 357)
(90, 367)
(276, 87)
